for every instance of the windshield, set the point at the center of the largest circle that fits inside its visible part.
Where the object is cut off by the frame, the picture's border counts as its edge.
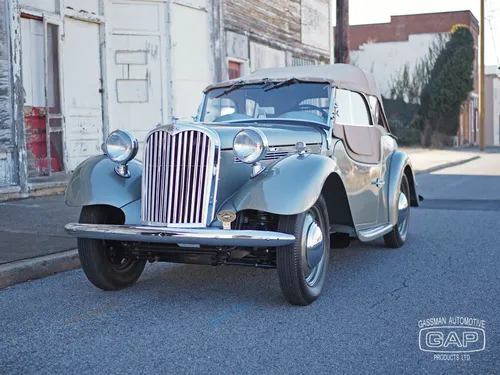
(289, 99)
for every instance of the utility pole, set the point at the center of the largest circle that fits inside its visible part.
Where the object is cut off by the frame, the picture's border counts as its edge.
(342, 32)
(481, 79)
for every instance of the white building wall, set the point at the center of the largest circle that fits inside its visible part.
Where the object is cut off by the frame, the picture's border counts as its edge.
(192, 63)
(137, 73)
(262, 57)
(492, 115)
(496, 111)
(315, 24)
(385, 60)
(51, 6)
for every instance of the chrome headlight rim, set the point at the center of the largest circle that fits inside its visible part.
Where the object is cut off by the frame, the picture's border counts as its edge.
(263, 146)
(129, 147)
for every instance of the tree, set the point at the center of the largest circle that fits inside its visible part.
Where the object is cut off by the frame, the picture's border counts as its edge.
(408, 83)
(449, 84)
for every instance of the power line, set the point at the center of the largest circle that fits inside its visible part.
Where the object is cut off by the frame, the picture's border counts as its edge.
(494, 44)
(489, 18)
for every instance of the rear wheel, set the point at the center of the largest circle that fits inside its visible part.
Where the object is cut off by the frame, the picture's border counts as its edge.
(397, 237)
(302, 266)
(104, 262)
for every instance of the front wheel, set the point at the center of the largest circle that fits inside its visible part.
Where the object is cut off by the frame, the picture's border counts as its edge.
(397, 237)
(302, 266)
(104, 262)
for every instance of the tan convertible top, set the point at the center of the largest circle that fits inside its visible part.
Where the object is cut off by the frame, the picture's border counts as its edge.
(343, 76)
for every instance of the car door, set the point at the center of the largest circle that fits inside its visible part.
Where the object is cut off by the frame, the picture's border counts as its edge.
(387, 147)
(358, 156)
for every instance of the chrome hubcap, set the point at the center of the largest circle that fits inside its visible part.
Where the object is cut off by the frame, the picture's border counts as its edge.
(314, 256)
(403, 214)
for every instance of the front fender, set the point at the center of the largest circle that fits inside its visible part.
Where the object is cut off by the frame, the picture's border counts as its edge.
(289, 187)
(400, 164)
(95, 181)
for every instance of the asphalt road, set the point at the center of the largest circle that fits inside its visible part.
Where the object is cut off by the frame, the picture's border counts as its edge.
(214, 320)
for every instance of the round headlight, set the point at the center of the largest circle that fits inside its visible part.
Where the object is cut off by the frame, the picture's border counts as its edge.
(250, 145)
(121, 146)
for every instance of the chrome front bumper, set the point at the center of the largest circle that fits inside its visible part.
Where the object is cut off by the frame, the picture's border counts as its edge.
(198, 236)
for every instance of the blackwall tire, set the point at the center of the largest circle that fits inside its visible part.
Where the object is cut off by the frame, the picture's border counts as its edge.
(103, 270)
(302, 266)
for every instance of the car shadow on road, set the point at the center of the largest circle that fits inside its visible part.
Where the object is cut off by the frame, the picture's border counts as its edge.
(186, 284)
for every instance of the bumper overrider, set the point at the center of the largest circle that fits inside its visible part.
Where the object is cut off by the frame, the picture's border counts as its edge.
(192, 236)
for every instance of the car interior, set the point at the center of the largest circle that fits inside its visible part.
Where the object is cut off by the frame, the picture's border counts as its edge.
(301, 101)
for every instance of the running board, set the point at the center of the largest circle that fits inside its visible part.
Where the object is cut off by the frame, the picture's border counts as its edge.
(370, 234)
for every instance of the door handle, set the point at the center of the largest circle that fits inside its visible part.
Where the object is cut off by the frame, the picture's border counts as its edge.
(378, 182)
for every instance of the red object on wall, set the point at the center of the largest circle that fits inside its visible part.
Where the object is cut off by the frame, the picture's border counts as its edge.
(36, 143)
(234, 70)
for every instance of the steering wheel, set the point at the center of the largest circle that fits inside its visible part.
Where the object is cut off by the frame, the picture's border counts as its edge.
(308, 107)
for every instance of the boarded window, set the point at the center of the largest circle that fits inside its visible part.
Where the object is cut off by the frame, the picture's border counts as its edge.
(298, 61)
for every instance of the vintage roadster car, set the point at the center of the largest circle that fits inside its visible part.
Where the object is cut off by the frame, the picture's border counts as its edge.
(278, 167)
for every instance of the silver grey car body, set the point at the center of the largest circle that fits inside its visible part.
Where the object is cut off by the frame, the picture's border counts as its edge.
(350, 158)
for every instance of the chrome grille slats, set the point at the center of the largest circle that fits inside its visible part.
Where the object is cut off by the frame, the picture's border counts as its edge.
(195, 178)
(171, 181)
(189, 142)
(199, 210)
(183, 168)
(175, 170)
(178, 178)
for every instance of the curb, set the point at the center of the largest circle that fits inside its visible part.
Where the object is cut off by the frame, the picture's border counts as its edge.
(36, 268)
(446, 165)
(10, 194)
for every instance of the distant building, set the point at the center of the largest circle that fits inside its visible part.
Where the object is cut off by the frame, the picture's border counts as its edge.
(72, 71)
(385, 48)
(492, 105)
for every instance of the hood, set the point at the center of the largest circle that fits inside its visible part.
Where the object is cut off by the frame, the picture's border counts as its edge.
(277, 134)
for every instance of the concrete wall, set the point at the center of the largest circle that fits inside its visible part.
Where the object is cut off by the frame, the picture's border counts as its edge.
(7, 165)
(385, 60)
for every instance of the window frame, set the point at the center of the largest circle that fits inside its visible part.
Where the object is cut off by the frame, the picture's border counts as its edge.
(243, 66)
(367, 105)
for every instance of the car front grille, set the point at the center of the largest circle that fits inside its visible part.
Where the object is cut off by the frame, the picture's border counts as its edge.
(178, 178)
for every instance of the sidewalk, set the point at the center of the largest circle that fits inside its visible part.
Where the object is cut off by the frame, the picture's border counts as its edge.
(428, 160)
(34, 227)
(33, 243)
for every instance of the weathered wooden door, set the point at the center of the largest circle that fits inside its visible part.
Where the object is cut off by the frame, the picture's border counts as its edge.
(82, 89)
(136, 66)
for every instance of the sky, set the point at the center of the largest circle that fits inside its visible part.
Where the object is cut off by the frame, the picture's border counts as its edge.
(379, 11)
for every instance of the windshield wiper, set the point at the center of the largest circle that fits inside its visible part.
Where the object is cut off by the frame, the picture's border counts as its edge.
(281, 120)
(288, 82)
(235, 86)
